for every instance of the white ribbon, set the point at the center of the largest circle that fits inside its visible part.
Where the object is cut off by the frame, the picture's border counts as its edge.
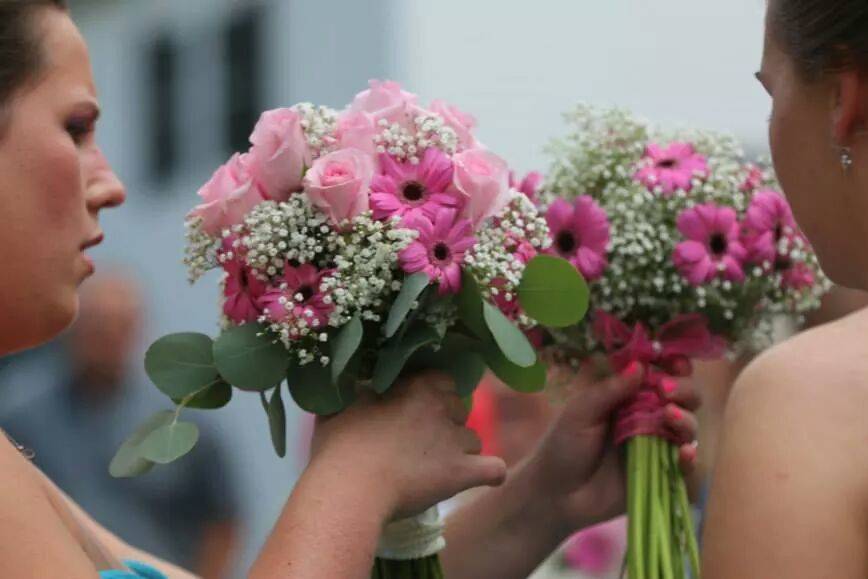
(413, 538)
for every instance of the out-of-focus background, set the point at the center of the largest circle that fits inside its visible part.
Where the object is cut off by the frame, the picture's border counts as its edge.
(182, 84)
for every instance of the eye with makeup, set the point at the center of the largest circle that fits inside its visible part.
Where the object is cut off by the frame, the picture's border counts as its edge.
(81, 124)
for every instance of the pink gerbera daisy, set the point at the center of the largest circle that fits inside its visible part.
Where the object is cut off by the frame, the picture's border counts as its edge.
(404, 188)
(299, 297)
(713, 247)
(794, 275)
(580, 234)
(672, 168)
(768, 220)
(241, 290)
(439, 249)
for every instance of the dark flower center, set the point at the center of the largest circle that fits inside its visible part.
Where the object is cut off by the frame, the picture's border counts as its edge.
(779, 231)
(441, 252)
(783, 263)
(413, 191)
(667, 164)
(566, 242)
(718, 244)
(306, 292)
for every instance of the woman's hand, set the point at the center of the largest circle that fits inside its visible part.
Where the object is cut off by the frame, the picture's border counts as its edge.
(410, 446)
(577, 464)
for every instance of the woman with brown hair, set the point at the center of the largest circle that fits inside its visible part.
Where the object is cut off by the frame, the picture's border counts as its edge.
(790, 495)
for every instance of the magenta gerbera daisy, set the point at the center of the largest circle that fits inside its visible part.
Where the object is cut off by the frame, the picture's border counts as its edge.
(299, 297)
(713, 247)
(439, 249)
(671, 168)
(768, 220)
(580, 234)
(242, 290)
(404, 188)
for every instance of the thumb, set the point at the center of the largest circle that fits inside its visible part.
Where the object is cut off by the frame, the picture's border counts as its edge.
(483, 471)
(617, 389)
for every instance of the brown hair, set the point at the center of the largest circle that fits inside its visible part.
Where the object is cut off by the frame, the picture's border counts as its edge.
(20, 54)
(822, 35)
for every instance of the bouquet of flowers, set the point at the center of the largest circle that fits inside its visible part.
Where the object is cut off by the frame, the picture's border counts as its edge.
(354, 246)
(689, 251)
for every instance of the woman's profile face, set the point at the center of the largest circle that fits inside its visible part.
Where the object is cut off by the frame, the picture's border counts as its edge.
(827, 202)
(54, 182)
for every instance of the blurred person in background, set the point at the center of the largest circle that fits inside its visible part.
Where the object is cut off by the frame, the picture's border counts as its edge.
(87, 392)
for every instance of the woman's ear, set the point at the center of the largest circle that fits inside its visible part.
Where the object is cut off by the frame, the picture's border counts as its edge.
(850, 115)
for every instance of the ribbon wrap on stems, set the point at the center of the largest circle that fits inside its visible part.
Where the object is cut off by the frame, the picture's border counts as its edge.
(413, 538)
(665, 355)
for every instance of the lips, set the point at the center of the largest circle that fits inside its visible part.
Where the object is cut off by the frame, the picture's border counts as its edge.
(92, 242)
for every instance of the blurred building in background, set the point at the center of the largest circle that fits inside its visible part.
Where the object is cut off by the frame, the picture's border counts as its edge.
(182, 83)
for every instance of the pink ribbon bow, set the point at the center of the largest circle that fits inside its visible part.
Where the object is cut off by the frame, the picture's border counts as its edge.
(665, 355)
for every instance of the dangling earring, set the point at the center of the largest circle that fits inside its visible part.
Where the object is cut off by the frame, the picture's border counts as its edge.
(846, 158)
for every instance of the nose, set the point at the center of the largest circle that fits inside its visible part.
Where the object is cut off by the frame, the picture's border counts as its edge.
(103, 188)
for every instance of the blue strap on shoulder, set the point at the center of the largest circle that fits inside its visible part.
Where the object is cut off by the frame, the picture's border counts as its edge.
(137, 571)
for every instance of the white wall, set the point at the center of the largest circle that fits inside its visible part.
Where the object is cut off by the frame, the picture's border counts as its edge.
(517, 64)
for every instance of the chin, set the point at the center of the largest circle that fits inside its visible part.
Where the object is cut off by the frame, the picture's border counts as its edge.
(52, 319)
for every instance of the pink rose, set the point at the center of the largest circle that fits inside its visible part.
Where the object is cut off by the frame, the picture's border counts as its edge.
(483, 179)
(339, 183)
(356, 130)
(228, 196)
(462, 123)
(279, 153)
(383, 100)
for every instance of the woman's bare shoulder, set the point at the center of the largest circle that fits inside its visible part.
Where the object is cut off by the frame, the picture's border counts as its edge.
(828, 363)
(34, 542)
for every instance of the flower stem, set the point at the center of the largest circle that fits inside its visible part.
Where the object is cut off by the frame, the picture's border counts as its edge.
(687, 521)
(654, 538)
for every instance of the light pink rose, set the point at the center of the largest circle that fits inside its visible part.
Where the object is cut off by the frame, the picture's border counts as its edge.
(228, 196)
(462, 123)
(356, 130)
(383, 100)
(483, 179)
(279, 153)
(339, 183)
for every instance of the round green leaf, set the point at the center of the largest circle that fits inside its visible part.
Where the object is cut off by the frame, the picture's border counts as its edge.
(553, 292)
(344, 345)
(181, 364)
(469, 302)
(528, 380)
(248, 358)
(411, 289)
(312, 389)
(170, 442)
(215, 396)
(129, 461)
(511, 341)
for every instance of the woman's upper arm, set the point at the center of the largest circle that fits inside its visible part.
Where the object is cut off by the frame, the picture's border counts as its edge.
(788, 495)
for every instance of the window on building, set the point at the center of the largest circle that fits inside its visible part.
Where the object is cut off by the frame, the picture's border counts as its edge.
(244, 76)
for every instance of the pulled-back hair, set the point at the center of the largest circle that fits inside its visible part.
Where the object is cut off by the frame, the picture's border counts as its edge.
(822, 35)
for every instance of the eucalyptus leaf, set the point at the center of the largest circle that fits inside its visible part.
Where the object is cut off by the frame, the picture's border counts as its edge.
(553, 292)
(394, 356)
(277, 422)
(469, 302)
(411, 289)
(312, 389)
(181, 364)
(344, 346)
(128, 460)
(170, 442)
(511, 341)
(215, 396)
(249, 359)
(528, 380)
